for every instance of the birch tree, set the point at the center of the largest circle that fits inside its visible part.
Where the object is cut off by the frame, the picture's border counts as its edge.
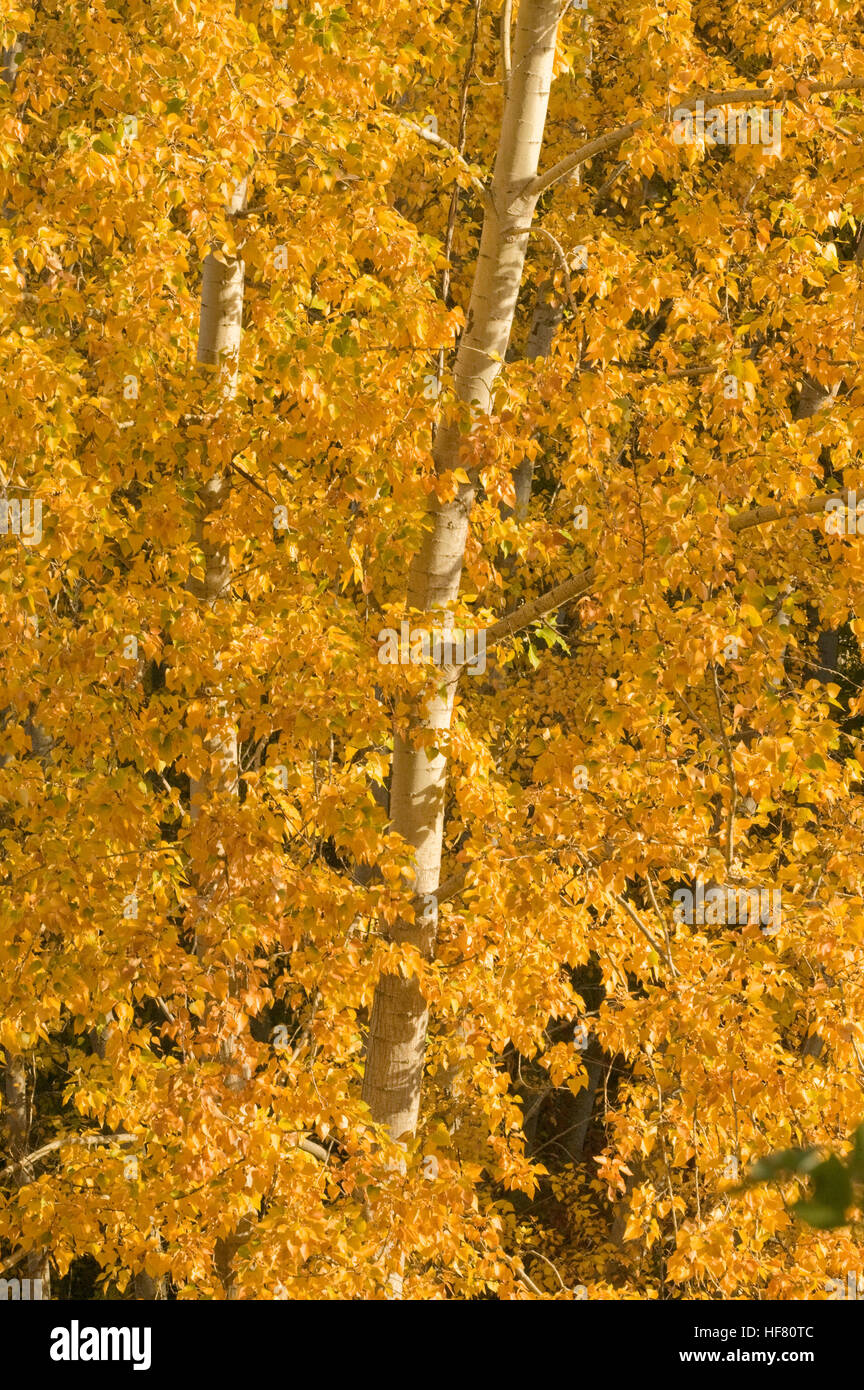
(397, 1029)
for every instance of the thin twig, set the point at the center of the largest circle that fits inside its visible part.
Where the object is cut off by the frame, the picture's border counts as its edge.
(562, 261)
(730, 765)
(606, 187)
(428, 135)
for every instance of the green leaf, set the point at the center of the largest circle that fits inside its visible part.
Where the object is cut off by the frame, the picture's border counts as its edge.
(347, 346)
(856, 1158)
(832, 1194)
(550, 636)
(819, 1214)
(831, 1182)
(786, 1161)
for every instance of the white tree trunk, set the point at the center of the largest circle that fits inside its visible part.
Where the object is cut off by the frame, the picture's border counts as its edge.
(220, 329)
(397, 1030)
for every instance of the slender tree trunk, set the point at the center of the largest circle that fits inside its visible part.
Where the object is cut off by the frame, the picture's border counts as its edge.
(219, 334)
(545, 319)
(220, 329)
(544, 325)
(15, 1086)
(577, 1111)
(17, 1123)
(9, 62)
(397, 1030)
(17, 1104)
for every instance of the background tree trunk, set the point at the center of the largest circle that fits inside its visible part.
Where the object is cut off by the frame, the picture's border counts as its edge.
(18, 1105)
(220, 329)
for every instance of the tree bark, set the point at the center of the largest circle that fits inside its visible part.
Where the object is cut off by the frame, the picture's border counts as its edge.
(9, 62)
(545, 320)
(17, 1104)
(18, 1120)
(220, 328)
(397, 1030)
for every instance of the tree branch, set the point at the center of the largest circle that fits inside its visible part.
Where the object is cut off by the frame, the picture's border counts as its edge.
(90, 1140)
(562, 261)
(760, 516)
(15, 1259)
(608, 184)
(569, 589)
(86, 1139)
(535, 608)
(316, 1150)
(613, 138)
(634, 917)
(431, 138)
